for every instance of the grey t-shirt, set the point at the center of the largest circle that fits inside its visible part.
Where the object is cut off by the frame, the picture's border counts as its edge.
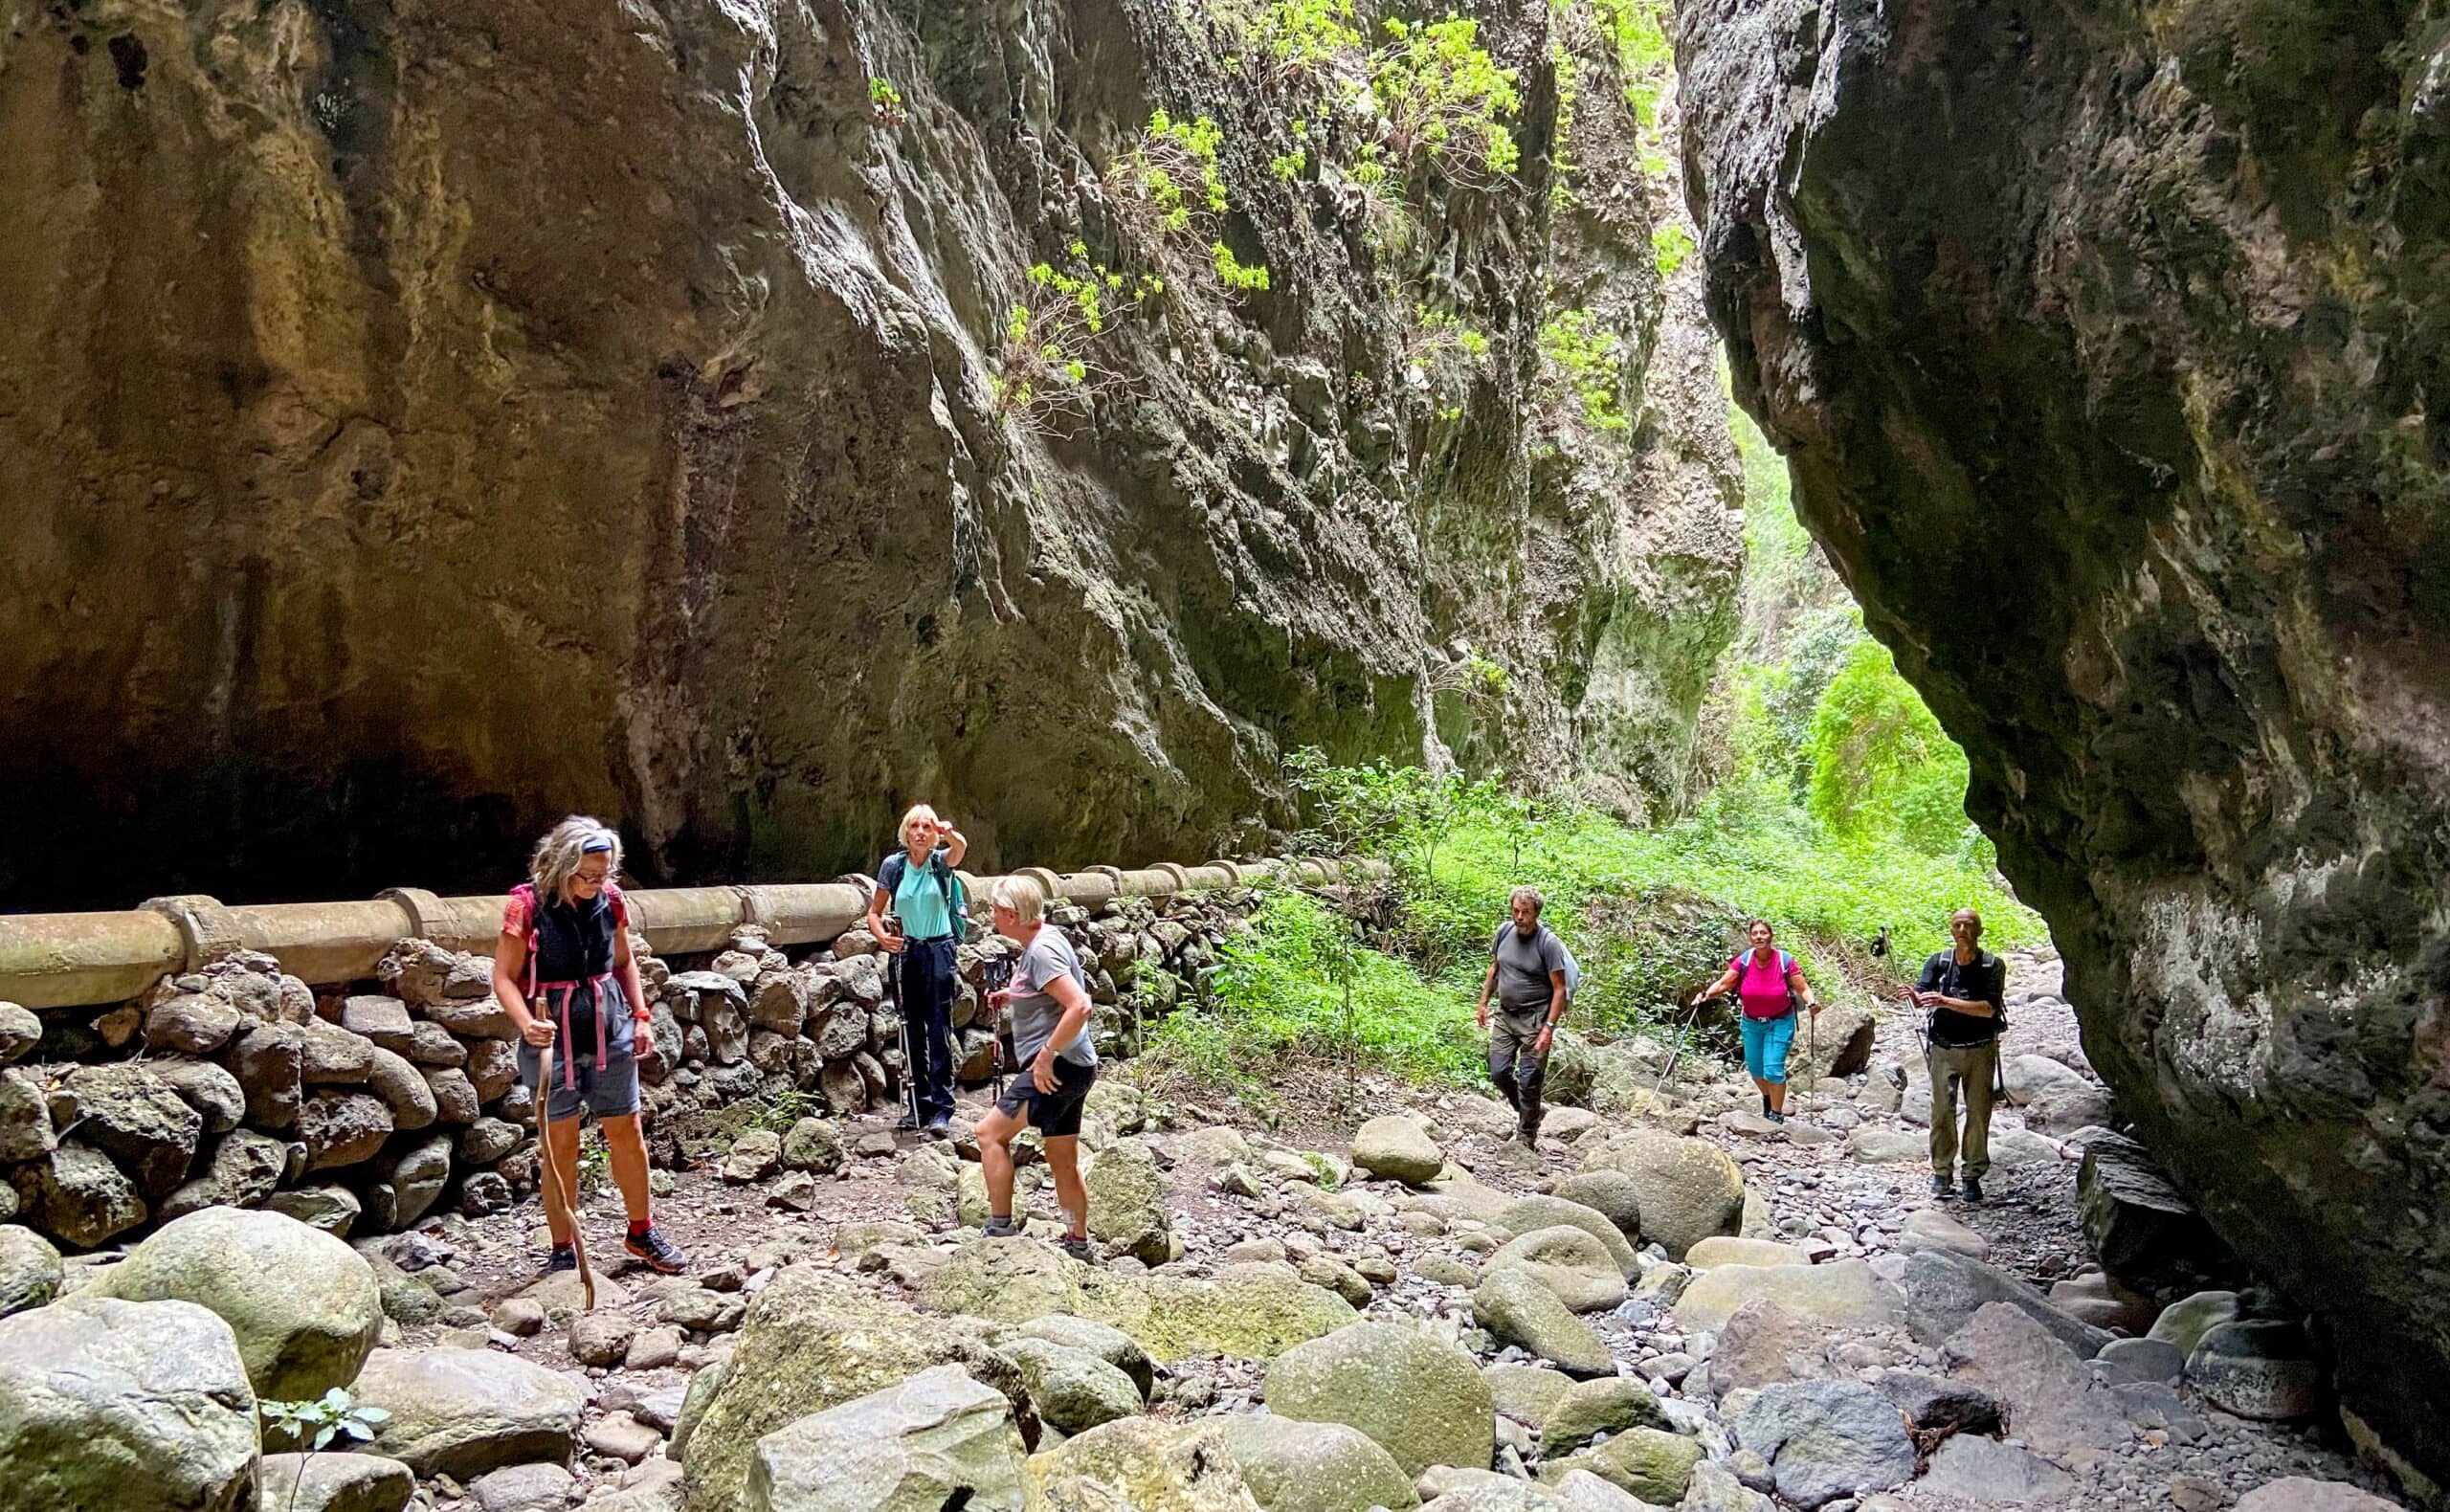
(1034, 1010)
(1523, 968)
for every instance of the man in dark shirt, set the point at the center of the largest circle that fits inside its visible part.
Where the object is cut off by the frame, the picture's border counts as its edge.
(1527, 974)
(1963, 991)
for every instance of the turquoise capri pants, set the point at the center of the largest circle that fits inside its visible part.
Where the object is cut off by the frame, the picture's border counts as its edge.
(1764, 1046)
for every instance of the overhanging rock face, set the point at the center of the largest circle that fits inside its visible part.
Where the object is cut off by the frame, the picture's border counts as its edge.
(2104, 345)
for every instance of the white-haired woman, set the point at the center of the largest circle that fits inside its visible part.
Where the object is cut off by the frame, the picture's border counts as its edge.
(563, 971)
(1049, 1000)
(917, 885)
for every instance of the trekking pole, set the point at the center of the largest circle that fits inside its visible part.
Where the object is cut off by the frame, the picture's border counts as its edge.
(1811, 1057)
(558, 1202)
(902, 1019)
(1691, 1013)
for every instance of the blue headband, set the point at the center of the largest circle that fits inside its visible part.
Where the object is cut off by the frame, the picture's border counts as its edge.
(600, 842)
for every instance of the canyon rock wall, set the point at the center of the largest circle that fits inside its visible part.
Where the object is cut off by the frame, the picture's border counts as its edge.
(425, 420)
(2103, 343)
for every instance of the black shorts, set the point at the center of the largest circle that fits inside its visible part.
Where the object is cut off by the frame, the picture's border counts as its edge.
(1054, 1113)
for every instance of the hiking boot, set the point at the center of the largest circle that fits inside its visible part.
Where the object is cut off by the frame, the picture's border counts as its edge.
(1775, 1116)
(1001, 1229)
(1943, 1188)
(656, 1253)
(1076, 1246)
(562, 1257)
(905, 1124)
(1974, 1189)
(940, 1124)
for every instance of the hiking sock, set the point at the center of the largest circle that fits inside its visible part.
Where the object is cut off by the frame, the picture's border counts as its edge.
(639, 1227)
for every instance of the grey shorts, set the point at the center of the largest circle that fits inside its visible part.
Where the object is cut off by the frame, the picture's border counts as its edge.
(609, 1091)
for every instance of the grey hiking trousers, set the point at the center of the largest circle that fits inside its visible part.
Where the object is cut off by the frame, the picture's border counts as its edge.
(1977, 1066)
(1517, 1072)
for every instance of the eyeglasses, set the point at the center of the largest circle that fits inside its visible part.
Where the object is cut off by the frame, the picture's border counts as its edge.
(594, 877)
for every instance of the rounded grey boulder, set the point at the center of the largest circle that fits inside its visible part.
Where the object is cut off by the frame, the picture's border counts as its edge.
(113, 1404)
(304, 1307)
(1420, 1397)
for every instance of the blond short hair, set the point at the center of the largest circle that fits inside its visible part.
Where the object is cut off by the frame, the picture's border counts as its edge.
(1021, 896)
(557, 856)
(919, 811)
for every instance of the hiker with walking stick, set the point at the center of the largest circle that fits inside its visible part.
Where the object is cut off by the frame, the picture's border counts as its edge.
(918, 886)
(1770, 986)
(1963, 992)
(564, 973)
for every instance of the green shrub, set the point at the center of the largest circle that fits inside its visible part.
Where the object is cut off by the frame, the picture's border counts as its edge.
(1584, 355)
(1446, 99)
(1882, 768)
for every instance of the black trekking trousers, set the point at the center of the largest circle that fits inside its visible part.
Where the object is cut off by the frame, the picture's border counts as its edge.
(928, 990)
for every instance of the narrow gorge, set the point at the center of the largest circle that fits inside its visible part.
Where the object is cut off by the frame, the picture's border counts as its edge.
(1354, 439)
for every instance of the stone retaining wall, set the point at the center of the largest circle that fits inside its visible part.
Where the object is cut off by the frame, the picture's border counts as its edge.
(361, 1107)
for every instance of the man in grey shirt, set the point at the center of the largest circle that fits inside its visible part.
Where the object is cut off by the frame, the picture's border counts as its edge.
(1049, 1001)
(1528, 972)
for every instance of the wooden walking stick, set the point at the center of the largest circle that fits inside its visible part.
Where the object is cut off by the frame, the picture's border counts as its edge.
(558, 1201)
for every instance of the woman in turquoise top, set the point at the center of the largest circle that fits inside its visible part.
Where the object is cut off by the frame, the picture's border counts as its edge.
(918, 886)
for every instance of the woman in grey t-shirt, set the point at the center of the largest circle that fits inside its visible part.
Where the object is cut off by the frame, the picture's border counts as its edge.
(1049, 1001)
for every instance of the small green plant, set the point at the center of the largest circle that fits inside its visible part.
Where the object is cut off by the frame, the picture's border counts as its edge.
(594, 1164)
(1234, 273)
(1291, 163)
(1561, 163)
(1670, 245)
(885, 103)
(1048, 367)
(1304, 41)
(316, 1424)
(1446, 99)
(1585, 354)
(776, 1112)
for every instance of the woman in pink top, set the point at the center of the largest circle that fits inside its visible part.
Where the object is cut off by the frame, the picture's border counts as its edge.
(1769, 983)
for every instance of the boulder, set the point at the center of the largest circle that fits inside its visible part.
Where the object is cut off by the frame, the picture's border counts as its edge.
(1886, 1146)
(1838, 1042)
(1127, 1202)
(601, 1338)
(133, 1406)
(1715, 1489)
(1610, 1193)
(190, 1023)
(1687, 1189)
(1525, 1214)
(1394, 1148)
(382, 1020)
(537, 1487)
(1525, 1392)
(1589, 1409)
(1293, 1466)
(430, 1044)
(812, 1340)
(336, 1483)
(2141, 1230)
(341, 1129)
(1930, 1229)
(1073, 1390)
(1418, 1396)
(30, 1271)
(1944, 1290)
(1141, 1464)
(2256, 1367)
(1254, 1311)
(477, 1018)
(418, 1176)
(1941, 1408)
(1844, 1293)
(1761, 1343)
(778, 1002)
(460, 1412)
(335, 1056)
(269, 1061)
(402, 1089)
(205, 1087)
(21, 1032)
(455, 1097)
(238, 1171)
(1720, 1249)
(1643, 1463)
(26, 1129)
(1567, 1260)
(491, 1068)
(814, 1144)
(936, 1440)
(2184, 1322)
(1989, 1473)
(2124, 1361)
(135, 1117)
(2055, 1403)
(1108, 1344)
(1827, 1439)
(1573, 1070)
(304, 1307)
(2298, 1493)
(487, 1140)
(753, 1157)
(334, 1210)
(1518, 1308)
(77, 1196)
